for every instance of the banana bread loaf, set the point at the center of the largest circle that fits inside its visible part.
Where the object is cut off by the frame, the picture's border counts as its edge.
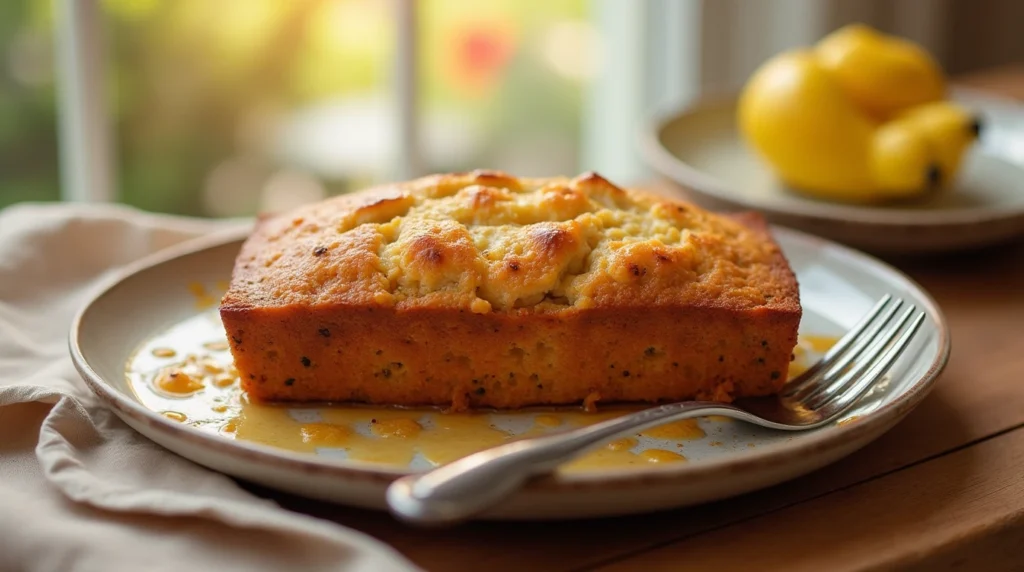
(485, 290)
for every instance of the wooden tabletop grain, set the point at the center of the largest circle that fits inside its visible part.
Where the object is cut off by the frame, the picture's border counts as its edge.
(943, 490)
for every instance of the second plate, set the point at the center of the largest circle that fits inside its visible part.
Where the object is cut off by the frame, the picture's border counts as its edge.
(699, 147)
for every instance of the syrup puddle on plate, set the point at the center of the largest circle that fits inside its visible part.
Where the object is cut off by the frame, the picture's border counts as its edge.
(187, 375)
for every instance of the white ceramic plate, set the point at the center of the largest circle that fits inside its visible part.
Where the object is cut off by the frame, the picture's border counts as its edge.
(837, 286)
(699, 147)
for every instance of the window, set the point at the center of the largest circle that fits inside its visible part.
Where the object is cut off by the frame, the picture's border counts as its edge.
(229, 107)
(225, 108)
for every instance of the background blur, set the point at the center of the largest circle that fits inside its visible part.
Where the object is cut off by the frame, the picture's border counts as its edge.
(227, 107)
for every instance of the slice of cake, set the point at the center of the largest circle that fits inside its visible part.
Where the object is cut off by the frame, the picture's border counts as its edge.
(485, 290)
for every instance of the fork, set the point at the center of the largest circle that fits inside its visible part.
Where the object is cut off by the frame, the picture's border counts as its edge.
(466, 487)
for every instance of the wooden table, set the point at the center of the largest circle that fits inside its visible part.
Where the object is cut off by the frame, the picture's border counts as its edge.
(944, 490)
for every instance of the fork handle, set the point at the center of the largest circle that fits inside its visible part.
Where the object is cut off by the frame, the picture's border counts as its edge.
(473, 483)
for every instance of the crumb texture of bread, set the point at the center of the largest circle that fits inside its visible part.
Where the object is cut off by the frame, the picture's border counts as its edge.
(486, 290)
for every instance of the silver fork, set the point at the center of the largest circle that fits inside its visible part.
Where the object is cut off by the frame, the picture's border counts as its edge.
(465, 487)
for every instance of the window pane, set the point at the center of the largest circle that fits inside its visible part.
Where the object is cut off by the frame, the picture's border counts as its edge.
(503, 84)
(28, 128)
(221, 104)
(230, 107)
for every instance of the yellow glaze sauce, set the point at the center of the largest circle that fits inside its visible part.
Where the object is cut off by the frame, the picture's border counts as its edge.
(547, 420)
(177, 382)
(187, 375)
(325, 434)
(208, 297)
(818, 344)
(686, 429)
(661, 456)
(216, 346)
(175, 416)
(808, 349)
(848, 420)
(624, 444)
(402, 428)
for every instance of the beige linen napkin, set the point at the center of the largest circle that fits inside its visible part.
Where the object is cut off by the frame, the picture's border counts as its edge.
(80, 490)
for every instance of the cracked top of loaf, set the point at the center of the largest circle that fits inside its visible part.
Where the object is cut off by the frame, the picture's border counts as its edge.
(489, 242)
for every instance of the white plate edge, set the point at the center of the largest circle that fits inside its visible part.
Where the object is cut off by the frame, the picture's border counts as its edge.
(900, 405)
(647, 139)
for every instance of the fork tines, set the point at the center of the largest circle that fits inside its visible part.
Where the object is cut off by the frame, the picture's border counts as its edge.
(859, 360)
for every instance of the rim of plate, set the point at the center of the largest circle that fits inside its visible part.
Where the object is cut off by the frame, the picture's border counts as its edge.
(649, 141)
(768, 455)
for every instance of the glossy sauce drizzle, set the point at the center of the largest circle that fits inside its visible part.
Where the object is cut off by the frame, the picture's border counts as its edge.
(187, 375)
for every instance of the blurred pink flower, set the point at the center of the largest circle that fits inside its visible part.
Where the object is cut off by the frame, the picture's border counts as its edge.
(479, 52)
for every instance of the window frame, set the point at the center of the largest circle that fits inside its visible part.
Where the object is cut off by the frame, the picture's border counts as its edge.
(655, 53)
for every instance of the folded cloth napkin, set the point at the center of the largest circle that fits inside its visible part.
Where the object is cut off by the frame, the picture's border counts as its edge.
(79, 489)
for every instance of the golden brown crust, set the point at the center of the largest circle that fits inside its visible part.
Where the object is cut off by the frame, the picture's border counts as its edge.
(481, 289)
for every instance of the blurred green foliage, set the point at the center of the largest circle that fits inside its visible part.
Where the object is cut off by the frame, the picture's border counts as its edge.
(28, 136)
(191, 78)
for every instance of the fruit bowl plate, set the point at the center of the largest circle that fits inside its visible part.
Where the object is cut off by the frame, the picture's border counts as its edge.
(698, 146)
